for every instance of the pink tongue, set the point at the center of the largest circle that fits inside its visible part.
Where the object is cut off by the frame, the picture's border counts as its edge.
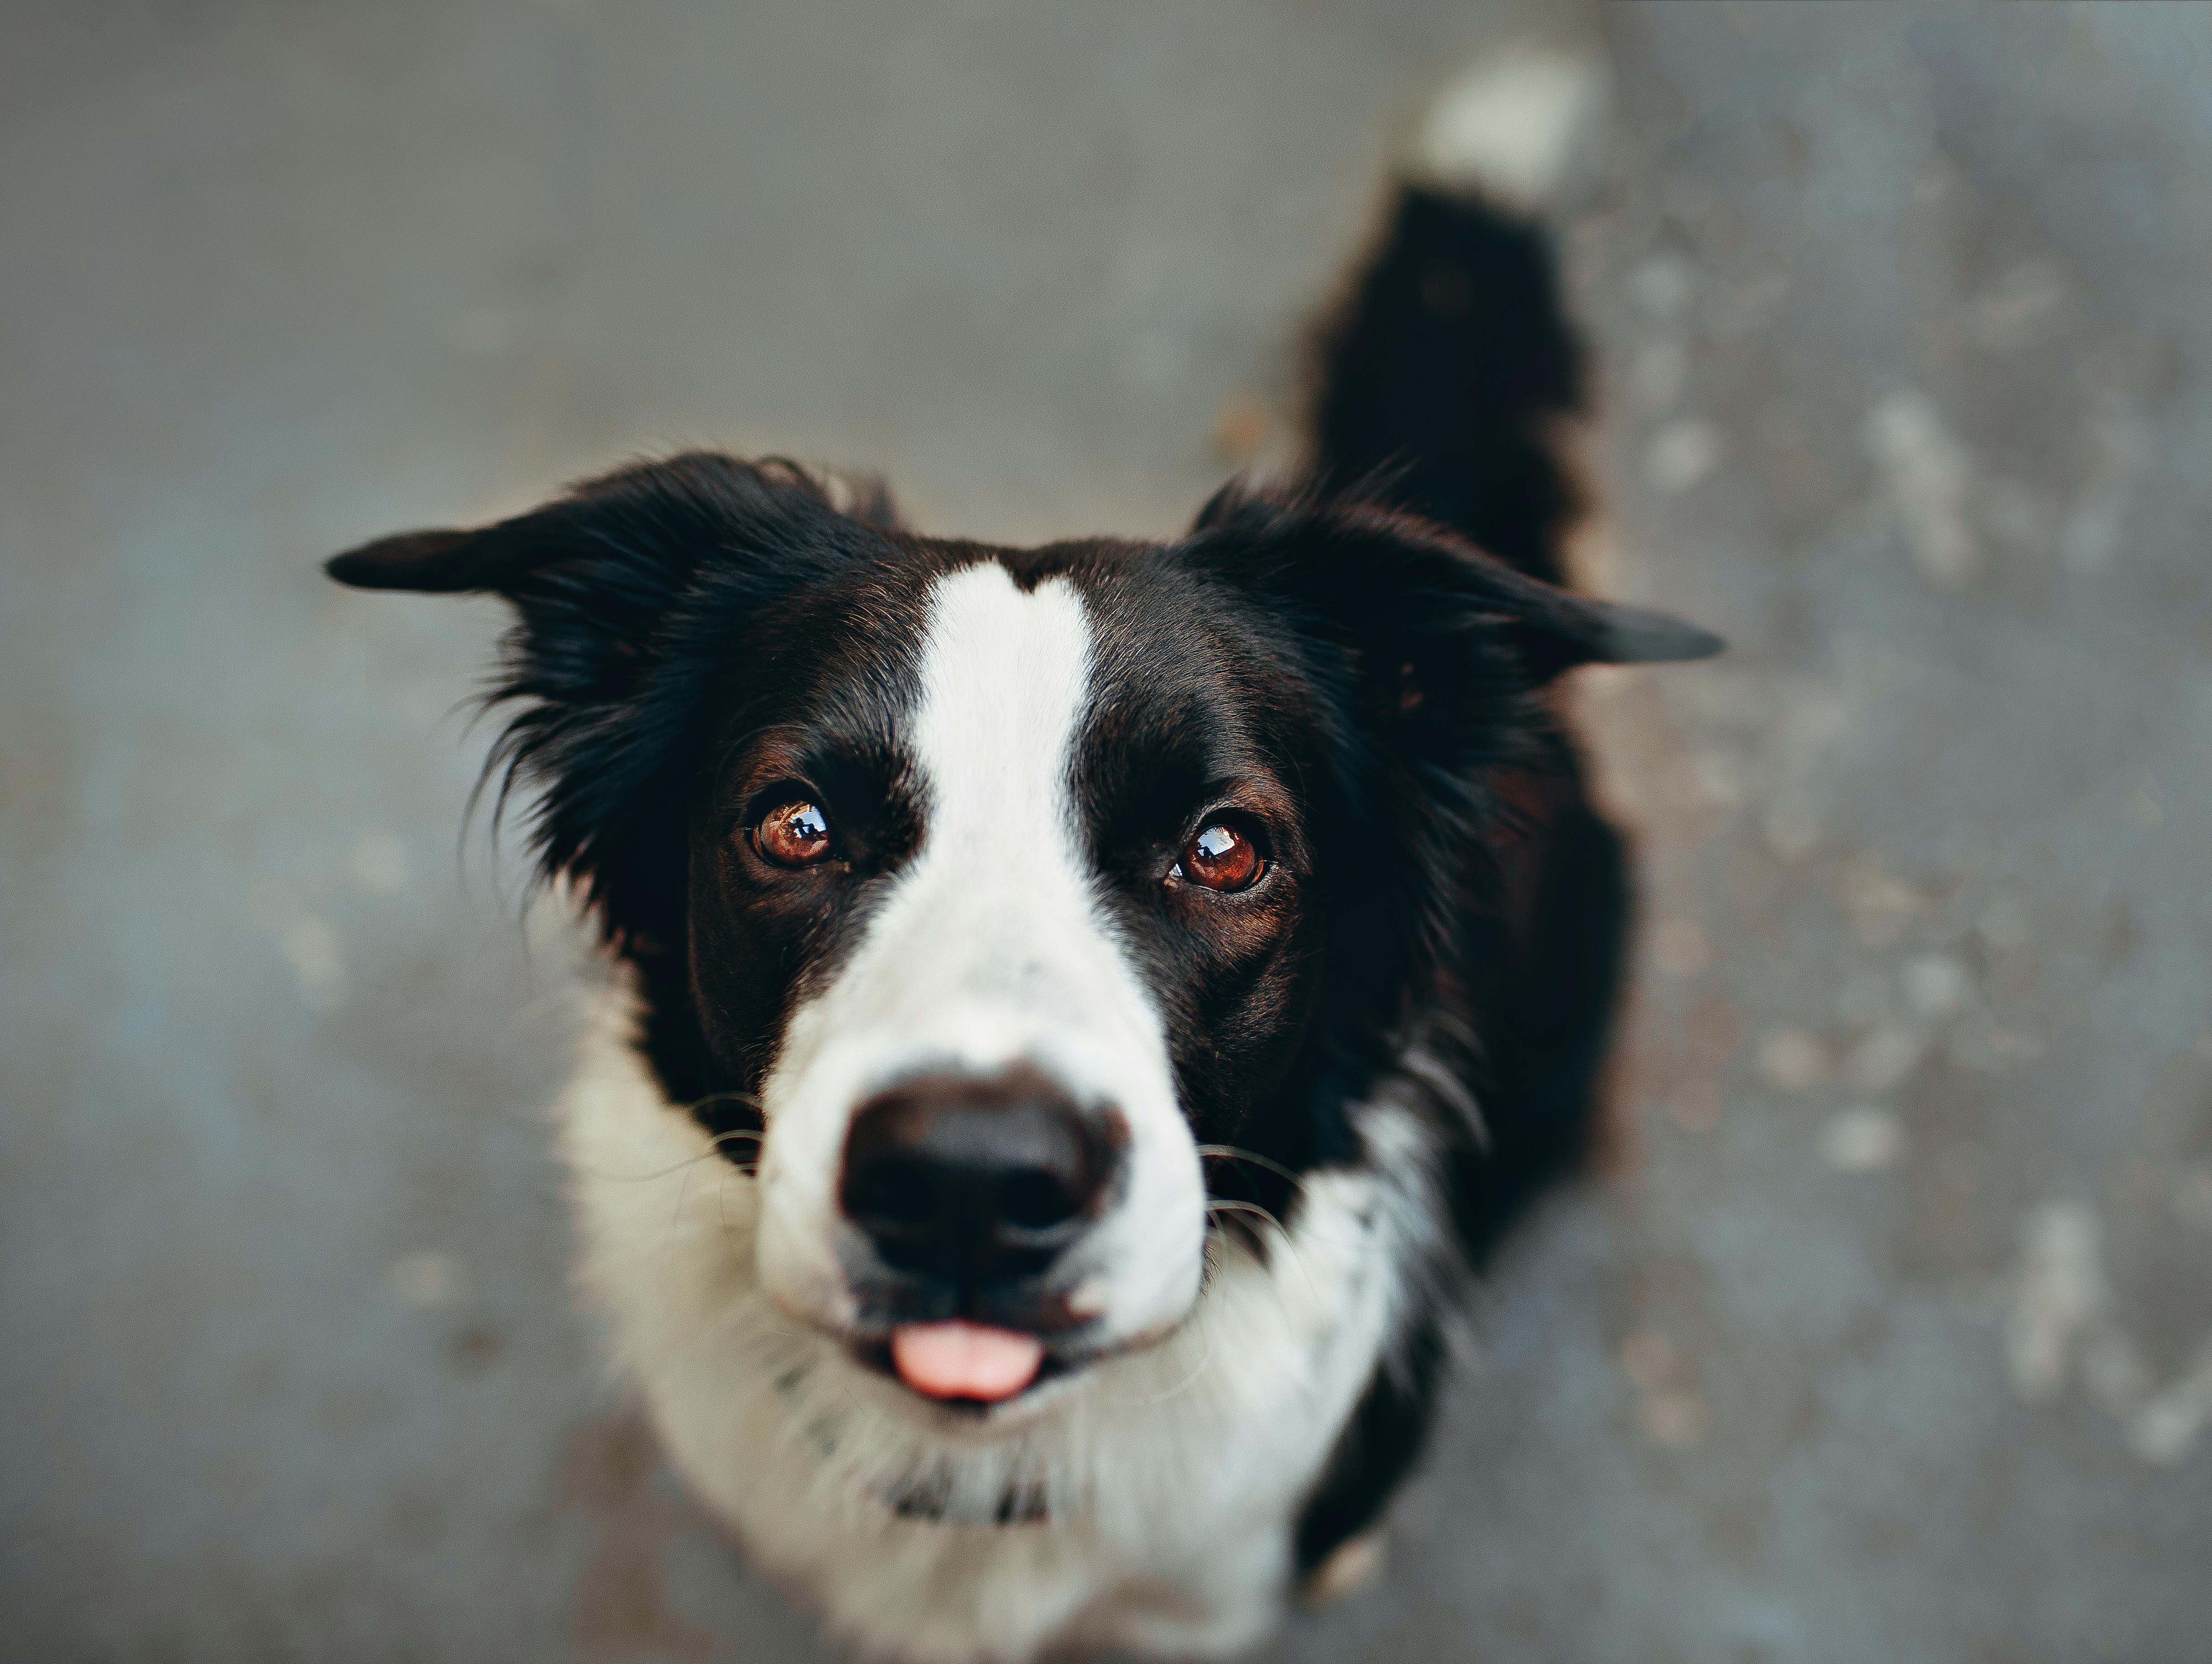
(965, 1360)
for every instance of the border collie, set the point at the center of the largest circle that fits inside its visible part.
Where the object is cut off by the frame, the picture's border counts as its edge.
(1080, 1014)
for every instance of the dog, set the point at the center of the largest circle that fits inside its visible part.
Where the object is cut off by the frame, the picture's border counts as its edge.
(1080, 1016)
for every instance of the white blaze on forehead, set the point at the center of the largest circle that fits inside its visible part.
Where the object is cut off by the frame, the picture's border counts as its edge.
(1006, 676)
(991, 947)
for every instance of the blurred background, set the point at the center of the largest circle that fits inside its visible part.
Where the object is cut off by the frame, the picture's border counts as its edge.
(1885, 1331)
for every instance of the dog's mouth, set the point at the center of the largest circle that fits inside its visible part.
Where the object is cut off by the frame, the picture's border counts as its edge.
(958, 1360)
(990, 1353)
(965, 1366)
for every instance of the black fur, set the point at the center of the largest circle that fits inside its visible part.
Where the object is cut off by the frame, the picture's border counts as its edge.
(1448, 370)
(1379, 1446)
(1337, 668)
(1444, 379)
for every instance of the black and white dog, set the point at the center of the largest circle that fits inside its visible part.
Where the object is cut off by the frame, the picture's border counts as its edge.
(1081, 1013)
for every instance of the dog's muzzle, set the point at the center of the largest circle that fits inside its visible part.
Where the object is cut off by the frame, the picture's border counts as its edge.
(975, 1197)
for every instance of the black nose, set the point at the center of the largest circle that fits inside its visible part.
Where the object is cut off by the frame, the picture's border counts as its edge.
(977, 1182)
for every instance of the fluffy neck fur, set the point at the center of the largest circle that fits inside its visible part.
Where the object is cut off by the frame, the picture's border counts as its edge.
(1149, 1503)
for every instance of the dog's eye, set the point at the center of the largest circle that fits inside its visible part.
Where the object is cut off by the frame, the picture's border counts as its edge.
(794, 833)
(1221, 858)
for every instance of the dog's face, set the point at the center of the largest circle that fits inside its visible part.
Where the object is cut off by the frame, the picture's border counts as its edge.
(1007, 885)
(999, 892)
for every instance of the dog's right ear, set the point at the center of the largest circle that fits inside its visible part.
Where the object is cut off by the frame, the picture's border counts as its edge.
(629, 591)
(653, 519)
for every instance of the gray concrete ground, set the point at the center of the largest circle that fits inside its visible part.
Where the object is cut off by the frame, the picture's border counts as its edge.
(1887, 1331)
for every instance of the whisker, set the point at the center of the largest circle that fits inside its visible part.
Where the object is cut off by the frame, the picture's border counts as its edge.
(731, 1096)
(1290, 1244)
(722, 1209)
(1190, 1380)
(1247, 1208)
(1229, 1153)
(748, 1168)
(1194, 1319)
(675, 1215)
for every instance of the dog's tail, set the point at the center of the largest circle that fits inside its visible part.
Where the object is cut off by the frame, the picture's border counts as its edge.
(1447, 374)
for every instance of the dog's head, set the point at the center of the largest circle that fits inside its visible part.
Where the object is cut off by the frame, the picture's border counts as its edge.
(1017, 891)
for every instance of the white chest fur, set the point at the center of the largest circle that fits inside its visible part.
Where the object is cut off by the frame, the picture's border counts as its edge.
(1161, 1487)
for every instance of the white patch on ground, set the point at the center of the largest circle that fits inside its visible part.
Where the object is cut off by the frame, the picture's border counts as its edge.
(309, 945)
(2089, 541)
(1864, 1140)
(1669, 1410)
(1884, 1059)
(1880, 904)
(380, 863)
(2113, 1370)
(2061, 1316)
(1661, 287)
(1929, 477)
(2164, 1431)
(1935, 985)
(2017, 309)
(1792, 1060)
(428, 1281)
(2058, 1289)
(1674, 1419)
(1515, 126)
(1683, 454)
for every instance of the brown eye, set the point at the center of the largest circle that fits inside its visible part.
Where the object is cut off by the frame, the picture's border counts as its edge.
(1221, 858)
(795, 833)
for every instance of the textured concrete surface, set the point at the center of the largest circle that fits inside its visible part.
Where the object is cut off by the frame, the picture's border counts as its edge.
(1887, 1332)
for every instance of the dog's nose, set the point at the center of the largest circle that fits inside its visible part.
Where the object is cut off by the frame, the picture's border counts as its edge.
(976, 1182)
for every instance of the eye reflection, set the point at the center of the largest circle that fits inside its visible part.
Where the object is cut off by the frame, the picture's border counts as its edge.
(1221, 858)
(795, 833)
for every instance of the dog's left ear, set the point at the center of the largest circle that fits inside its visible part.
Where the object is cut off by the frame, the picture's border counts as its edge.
(1436, 631)
(1554, 630)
